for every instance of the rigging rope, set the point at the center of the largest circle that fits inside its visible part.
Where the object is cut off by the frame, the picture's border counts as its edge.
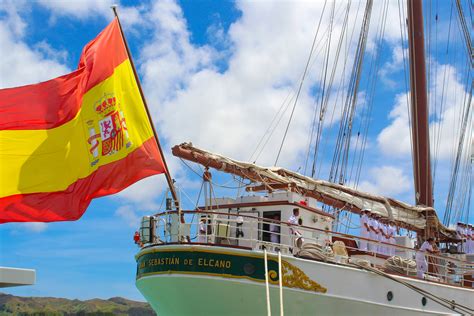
(449, 304)
(345, 127)
(465, 31)
(301, 82)
(454, 175)
(275, 123)
(442, 101)
(373, 79)
(326, 91)
(340, 89)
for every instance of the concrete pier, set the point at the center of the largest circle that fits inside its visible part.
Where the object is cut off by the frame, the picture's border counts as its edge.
(16, 277)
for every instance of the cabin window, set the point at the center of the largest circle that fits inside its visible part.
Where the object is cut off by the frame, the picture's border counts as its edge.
(270, 231)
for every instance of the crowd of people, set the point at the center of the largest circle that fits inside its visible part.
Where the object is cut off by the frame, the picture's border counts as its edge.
(373, 229)
(465, 233)
(373, 226)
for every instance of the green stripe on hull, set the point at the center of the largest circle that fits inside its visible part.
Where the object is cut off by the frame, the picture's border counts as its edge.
(207, 263)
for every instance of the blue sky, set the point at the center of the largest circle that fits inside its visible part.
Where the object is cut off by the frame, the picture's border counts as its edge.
(215, 73)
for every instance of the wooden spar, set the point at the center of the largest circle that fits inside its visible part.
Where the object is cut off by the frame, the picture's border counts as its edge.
(190, 153)
(248, 173)
(419, 106)
(167, 172)
(272, 179)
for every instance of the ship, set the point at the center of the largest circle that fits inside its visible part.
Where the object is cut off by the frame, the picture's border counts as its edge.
(246, 255)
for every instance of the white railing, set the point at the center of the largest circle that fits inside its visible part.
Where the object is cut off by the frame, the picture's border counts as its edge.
(251, 232)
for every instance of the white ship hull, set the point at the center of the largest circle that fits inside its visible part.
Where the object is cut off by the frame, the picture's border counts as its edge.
(204, 280)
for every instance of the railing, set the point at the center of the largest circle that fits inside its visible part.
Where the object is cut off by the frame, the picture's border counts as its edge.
(256, 233)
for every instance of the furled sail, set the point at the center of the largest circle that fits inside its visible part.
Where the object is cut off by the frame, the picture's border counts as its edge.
(339, 196)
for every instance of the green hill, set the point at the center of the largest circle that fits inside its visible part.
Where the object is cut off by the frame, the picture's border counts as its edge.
(51, 306)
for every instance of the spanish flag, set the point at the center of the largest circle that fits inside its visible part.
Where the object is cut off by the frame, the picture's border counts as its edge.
(68, 140)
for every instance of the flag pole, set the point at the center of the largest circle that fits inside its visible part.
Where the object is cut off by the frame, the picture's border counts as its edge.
(167, 173)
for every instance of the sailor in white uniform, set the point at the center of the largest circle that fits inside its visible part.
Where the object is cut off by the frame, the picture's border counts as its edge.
(421, 263)
(202, 231)
(385, 238)
(380, 247)
(381, 235)
(374, 229)
(293, 221)
(391, 237)
(364, 228)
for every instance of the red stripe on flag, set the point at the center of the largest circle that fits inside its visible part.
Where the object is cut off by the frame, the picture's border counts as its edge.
(52, 103)
(71, 203)
(101, 55)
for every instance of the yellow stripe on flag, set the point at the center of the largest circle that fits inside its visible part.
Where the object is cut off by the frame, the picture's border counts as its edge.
(51, 160)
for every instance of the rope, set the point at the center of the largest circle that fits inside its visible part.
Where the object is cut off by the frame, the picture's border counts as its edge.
(275, 123)
(225, 186)
(301, 85)
(267, 287)
(465, 30)
(439, 130)
(326, 92)
(454, 175)
(280, 283)
(345, 126)
(342, 85)
(373, 79)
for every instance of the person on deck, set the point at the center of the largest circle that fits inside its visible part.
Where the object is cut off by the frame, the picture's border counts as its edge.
(391, 237)
(274, 228)
(184, 230)
(202, 231)
(364, 228)
(293, 221)
(383, 227)
(421, 263)
(374, 229)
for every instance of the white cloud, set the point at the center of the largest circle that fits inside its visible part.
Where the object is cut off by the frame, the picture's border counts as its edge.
(393, 68)
(228, 110)
(394, 140)
(388, 181)
(50, 53)
(78, 8)
(129, 215)
(31, 65)
(34, 227)
(13, 21)
(130, 16)
(144, 193)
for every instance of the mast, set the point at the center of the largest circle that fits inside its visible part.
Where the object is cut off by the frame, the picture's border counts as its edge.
(419, 105)
(419, 113)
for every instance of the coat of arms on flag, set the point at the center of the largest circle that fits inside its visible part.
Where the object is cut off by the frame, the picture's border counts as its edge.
(108, 134)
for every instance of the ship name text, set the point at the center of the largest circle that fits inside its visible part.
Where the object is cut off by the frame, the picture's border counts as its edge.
(202, 262)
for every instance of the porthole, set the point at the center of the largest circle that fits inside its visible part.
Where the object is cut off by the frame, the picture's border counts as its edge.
(389, 296)
(249, 268)
(424, 301)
